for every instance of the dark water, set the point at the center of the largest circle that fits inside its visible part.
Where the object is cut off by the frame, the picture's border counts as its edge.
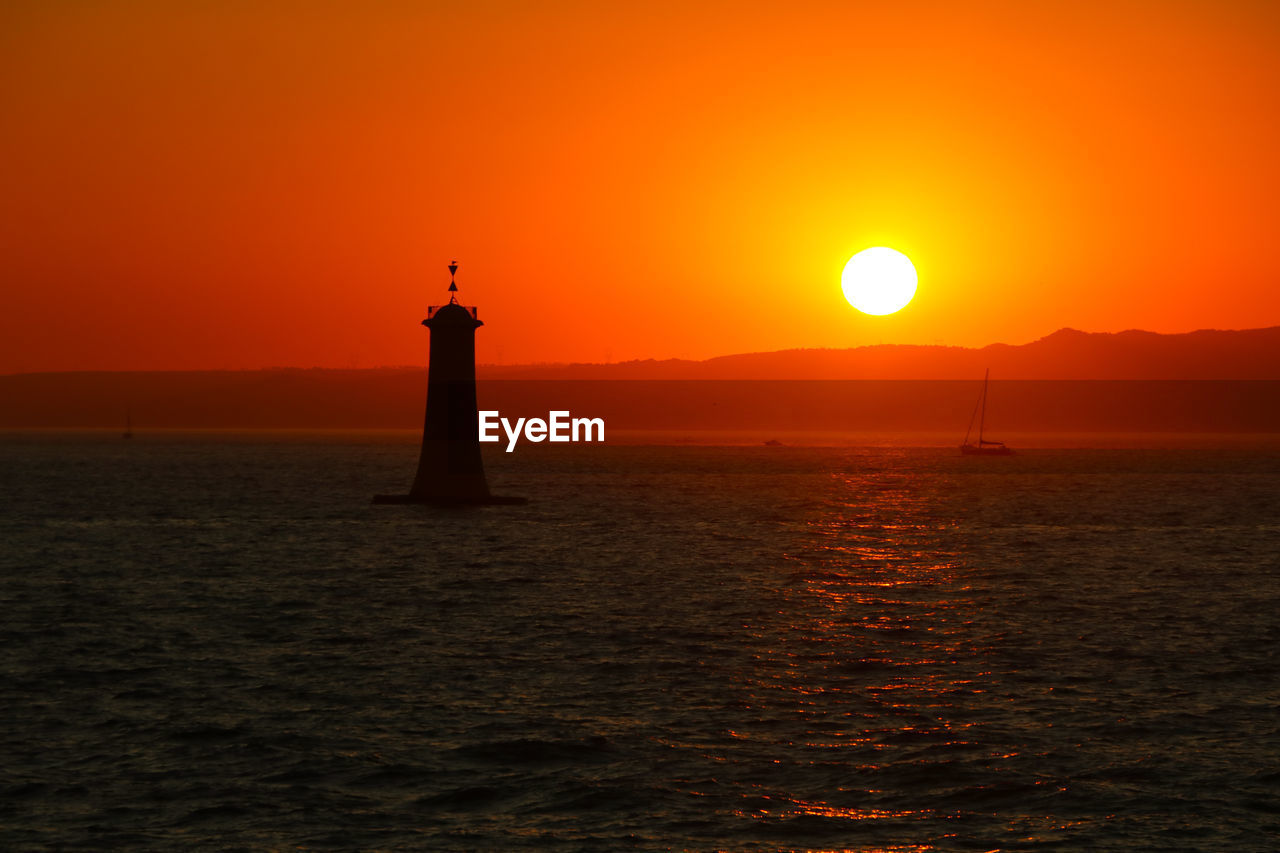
(218, 643)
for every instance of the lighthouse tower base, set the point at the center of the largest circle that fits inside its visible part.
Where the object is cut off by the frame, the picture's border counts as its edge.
(442, 500)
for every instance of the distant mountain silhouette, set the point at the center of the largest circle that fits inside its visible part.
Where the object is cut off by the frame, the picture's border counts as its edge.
(885, 388)
(1065, 354)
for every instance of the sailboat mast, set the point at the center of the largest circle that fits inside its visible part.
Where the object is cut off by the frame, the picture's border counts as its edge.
(983, 420)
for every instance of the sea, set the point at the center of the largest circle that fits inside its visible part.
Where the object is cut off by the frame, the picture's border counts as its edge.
(215, 641)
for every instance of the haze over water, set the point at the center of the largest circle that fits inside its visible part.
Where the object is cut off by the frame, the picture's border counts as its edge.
(218, 643)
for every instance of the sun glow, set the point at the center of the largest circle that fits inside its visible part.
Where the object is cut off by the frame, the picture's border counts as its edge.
(879, 280)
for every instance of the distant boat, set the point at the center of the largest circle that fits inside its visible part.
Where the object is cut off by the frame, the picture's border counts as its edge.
(128, 426)
(985, 446)
(773, 442)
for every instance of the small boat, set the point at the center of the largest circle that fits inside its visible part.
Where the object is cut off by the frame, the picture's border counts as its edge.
(985, 446)
(773, 442)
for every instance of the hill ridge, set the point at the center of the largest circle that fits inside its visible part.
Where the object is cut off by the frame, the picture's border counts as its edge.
(1066, 353)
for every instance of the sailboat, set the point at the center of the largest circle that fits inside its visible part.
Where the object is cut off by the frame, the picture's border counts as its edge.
(985, 446)
(128, 425)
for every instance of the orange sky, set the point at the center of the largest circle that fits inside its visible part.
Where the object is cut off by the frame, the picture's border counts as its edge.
(245, 184)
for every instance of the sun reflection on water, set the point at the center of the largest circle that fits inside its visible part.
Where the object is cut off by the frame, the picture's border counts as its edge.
(874, 617)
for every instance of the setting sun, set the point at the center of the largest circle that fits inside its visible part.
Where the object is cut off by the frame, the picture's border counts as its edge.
(879, 280)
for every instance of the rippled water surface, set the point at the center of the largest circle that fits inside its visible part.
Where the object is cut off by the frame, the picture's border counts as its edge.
(218, 643)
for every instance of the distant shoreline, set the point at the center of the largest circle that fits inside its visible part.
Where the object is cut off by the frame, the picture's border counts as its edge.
(745, 439)
(364, 401)
(1067, 354)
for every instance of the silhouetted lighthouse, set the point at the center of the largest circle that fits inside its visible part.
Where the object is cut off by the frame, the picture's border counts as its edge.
(450, 470)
